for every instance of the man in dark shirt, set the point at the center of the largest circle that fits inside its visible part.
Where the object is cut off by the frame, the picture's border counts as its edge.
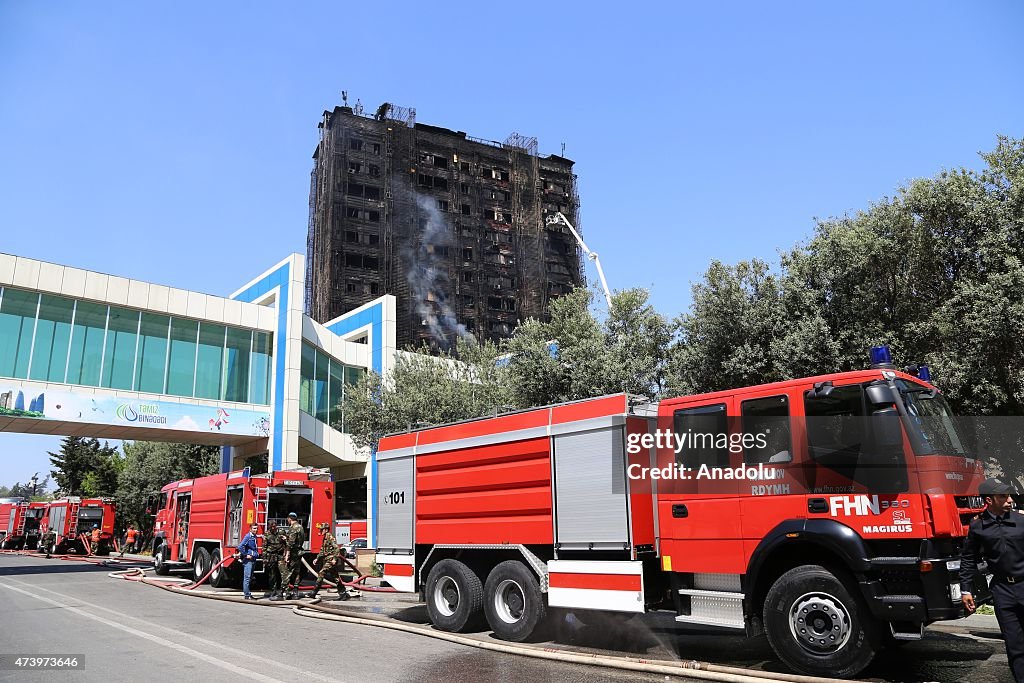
(997, 536)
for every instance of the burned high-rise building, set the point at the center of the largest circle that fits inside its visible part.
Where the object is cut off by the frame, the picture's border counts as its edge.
(461, 230)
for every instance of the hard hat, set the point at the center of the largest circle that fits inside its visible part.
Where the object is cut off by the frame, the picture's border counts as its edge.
(94, 526)
(322, 525)
(292, 515)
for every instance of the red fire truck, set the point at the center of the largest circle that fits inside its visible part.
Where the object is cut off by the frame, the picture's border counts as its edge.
(19, 523)
(826, 512)
(200, 521)
(71, 517)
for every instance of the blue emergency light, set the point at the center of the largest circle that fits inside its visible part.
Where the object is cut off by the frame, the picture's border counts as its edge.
(881, 355)
(923, 373)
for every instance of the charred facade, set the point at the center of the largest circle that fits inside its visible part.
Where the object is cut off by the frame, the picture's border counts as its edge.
(458, 228)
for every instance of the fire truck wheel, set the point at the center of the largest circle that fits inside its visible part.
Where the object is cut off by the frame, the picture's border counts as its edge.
(160, 558)
(819, 626)
(201, 564)
(514, 604)
(221, 577)
(455, 596)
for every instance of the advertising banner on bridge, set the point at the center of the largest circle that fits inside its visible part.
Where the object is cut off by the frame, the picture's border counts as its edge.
(23, 401)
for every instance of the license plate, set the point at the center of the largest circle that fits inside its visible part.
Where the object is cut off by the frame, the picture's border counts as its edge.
(954, 591)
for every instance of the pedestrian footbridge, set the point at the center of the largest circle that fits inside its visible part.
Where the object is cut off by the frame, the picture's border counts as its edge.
(91, 354)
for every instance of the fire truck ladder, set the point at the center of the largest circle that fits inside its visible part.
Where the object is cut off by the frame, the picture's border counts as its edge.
(20, 530)
(262, 503)
(73, 518)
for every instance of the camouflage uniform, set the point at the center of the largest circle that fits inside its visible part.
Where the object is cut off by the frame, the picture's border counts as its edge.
(274, 545)
(49, 538)
(330, 554)
(291, 570)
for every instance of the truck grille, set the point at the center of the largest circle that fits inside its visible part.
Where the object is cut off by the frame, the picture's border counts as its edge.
(969, 502)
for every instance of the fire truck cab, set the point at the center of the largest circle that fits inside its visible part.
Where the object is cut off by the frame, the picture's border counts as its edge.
(826, 512)
(201, 521)
(70, 518)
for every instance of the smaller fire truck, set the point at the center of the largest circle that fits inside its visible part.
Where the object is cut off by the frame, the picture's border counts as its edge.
(70, 518)
(19, 523)
(201, 521)
(825, 512)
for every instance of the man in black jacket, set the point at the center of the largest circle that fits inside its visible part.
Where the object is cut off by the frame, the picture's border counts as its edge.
(997, 536)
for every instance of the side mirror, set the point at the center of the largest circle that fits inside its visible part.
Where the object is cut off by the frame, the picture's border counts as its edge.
(887, 428)
(821, 390)
(881, 394)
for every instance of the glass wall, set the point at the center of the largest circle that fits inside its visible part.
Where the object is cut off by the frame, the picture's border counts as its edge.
(259, 360)
(86, 343)
(322, 385)
(237, 351)
(181, 361)
(53, 333)
(55, 339)
(209, 360)
(17, 324)
(119, 349)
(151, 358)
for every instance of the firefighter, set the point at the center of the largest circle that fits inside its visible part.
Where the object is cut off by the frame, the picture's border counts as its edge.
(997, 535)
(274, 546)
(328, 557)
(48, 541)
(291, 565)
(129, 540)
(94, 539)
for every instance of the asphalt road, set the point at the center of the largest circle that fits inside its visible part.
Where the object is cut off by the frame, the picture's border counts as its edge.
(128, 631)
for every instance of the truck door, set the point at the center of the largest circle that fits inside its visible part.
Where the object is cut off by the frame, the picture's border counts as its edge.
(775, 494)
(55, 522)
(698, 512)
(234, 517)
(182, 507)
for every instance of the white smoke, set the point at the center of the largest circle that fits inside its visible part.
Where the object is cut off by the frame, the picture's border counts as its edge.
(428, 275)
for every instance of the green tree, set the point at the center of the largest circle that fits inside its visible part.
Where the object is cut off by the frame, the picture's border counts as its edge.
(77, 459)
(148, 466)
(101, 481)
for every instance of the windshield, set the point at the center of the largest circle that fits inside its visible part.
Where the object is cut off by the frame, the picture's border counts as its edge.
(931, 420)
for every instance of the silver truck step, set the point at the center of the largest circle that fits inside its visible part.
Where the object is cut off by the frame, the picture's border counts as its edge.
(713, 608)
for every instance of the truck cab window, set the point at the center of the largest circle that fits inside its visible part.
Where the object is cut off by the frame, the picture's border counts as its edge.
(839, 437)
(704, 434)
(767, 420)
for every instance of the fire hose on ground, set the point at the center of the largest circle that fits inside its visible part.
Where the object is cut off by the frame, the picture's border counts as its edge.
(359, 581)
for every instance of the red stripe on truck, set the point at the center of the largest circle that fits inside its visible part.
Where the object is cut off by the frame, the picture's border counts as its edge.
(604, 582)
(397, 570)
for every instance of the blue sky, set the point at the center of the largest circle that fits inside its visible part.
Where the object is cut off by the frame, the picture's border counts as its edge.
(172, 142)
